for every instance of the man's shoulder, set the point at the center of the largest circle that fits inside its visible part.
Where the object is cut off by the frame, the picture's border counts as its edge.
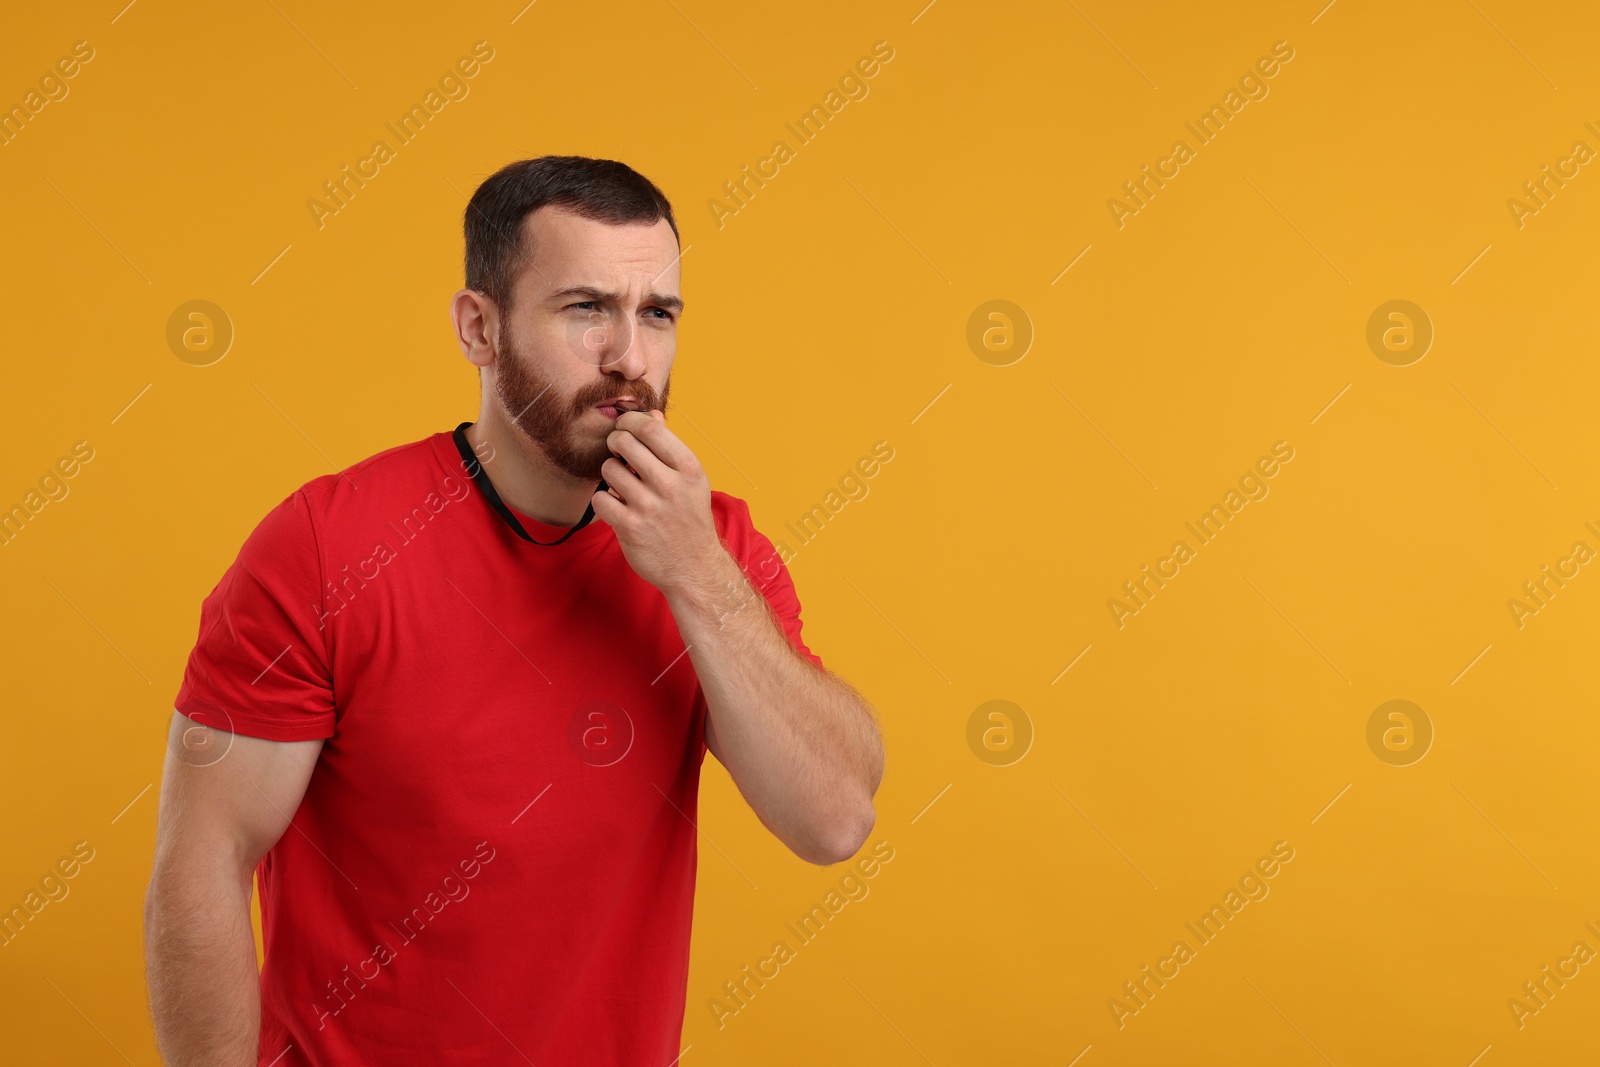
(724, 505)
(753, 549)
(732, 515)
(396, 473)
(386, 485)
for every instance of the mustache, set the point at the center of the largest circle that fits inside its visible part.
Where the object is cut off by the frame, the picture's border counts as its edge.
(603, 393)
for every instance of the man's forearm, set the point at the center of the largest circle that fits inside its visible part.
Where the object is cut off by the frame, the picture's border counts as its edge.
(200, 959)
(800, 743)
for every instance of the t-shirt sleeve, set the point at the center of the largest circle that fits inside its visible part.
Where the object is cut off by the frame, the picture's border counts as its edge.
(260, 666)
(764, 567)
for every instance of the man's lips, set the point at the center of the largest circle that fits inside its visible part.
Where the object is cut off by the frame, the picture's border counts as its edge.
(613, 409)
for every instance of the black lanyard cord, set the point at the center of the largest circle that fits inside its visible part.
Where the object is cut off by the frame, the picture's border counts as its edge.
(469, 460)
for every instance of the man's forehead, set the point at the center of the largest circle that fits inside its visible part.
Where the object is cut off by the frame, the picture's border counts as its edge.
(569, 249)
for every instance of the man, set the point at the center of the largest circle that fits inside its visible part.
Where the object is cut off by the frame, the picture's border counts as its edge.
(455, 727)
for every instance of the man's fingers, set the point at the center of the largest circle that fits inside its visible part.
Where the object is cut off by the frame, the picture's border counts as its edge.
(607, 506)
(619, 479)
(662, 442)
(649, 469)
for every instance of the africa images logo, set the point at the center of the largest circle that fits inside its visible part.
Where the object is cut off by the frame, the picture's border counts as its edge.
(1252, 86)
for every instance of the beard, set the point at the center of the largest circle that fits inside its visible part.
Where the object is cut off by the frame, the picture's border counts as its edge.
(549, 419)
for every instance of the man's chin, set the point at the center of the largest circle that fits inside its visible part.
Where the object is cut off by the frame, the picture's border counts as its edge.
(586, 467)
(581, 454)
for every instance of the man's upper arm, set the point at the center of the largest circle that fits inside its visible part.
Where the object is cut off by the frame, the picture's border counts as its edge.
(256, 701)
(227, 798)
(261, 663)
(763, 566)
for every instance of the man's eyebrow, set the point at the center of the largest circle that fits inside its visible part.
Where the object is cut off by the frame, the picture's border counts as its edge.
(589, 292)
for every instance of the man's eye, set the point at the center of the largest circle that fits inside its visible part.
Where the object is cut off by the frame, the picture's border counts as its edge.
(663, 312)
(584, 304)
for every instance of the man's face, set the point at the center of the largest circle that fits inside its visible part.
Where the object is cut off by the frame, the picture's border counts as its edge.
(593, 318)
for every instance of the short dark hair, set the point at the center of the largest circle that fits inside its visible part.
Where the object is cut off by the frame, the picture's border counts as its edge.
(600, 189)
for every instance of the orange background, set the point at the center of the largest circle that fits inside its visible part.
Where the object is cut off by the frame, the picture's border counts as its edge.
(828, 313)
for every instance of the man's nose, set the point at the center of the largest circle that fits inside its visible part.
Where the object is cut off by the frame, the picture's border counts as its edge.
(623, 353)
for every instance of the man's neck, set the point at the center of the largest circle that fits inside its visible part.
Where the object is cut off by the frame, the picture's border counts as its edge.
(523, 476)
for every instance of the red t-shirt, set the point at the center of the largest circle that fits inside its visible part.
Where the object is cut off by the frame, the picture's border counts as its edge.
(495, 856)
